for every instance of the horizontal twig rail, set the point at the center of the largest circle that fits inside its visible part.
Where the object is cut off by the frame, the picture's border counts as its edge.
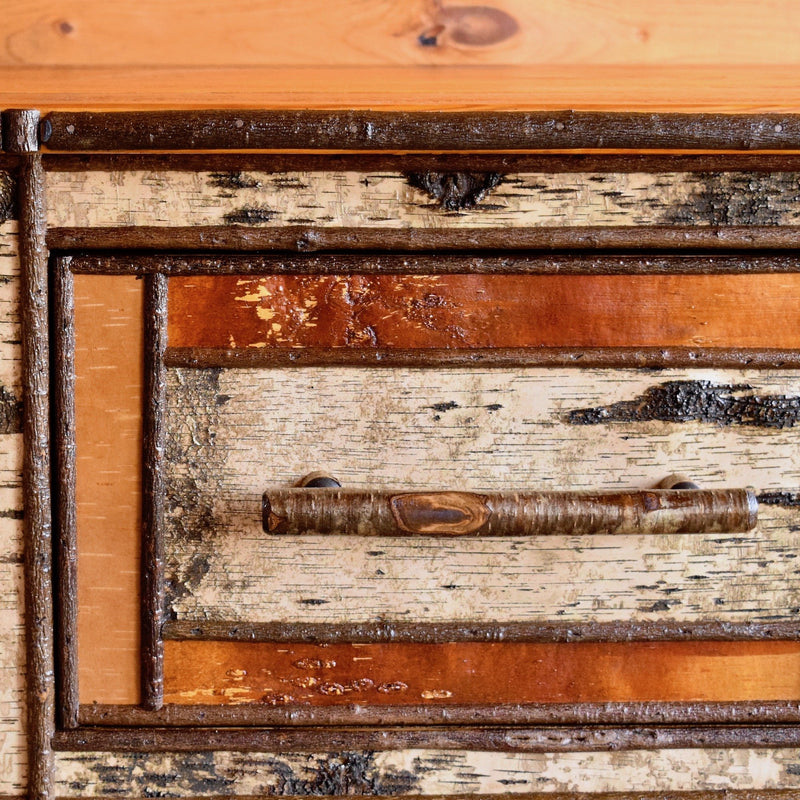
(301, 511)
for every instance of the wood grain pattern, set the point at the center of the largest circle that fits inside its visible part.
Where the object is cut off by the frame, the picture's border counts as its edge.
(428, 772)
(476, 673)
(467, 312)
(419, 32)
(13, 747)
(385, 199)
(721, 88)
(234, 433)
(108, 402)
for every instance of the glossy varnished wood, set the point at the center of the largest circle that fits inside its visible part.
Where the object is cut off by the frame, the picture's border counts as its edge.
(467, 673)
(483, 311)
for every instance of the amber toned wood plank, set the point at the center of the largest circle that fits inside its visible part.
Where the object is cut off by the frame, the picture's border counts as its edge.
(376, 198)
(484, 311)
(470, 673)
(108, 410)
(232, 434)
(416, 32)
(431, 772)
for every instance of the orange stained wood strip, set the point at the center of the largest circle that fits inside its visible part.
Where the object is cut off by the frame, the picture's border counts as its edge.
(484, 311)
(212, 672)
(108, 409)
(724, 88)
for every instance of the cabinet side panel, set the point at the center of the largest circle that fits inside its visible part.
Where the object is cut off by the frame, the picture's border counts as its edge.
(12, 633)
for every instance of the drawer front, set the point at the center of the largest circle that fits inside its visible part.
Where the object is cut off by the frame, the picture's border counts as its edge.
(431, 344)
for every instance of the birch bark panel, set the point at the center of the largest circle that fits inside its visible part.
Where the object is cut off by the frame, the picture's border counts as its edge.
(234, 433)
(484, 311)
(478, 673)
(331, 199)
(425, 772)
(108, 402)
(13, 756)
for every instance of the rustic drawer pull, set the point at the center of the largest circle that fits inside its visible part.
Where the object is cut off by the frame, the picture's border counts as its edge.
(331, 509)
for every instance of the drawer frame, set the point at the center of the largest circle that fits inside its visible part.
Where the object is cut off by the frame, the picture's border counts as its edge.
(778, 726)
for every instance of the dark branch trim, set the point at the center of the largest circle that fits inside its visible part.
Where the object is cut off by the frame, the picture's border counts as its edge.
(424, 264)
(622, 357)
(36, 471)
(63, 383)
(423, 162)
(152, 607)
(513, 739)
(304, 239)
(632, 714)
(82, 131)
(443, 632)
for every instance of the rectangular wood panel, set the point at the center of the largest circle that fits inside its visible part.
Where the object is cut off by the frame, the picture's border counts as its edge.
(464, 312)
(478, 673)
(371, 34)
(108, 403)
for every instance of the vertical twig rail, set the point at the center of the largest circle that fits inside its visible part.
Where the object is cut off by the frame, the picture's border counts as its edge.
(20, 136)
(152, 610)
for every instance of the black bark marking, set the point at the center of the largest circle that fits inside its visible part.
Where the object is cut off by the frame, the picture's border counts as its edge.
(455, 191)
(8, 193)
(250, 215)
(338, 774)
(739, 198)
(195, 774)
(446, 406)
(10, 412)
(697, 401)
(780, 498)
(232, 181)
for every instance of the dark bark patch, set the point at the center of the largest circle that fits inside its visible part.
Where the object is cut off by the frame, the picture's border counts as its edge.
(197, 775)
(338, 774)
(232, 181)
(250, 215)
(739, 198)
(455, 191)
(10, 412)
(697, 401)
(8, 193)
(780, 498)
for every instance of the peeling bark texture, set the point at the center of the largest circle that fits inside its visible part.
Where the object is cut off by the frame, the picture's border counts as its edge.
(462, 313)
(425, 772)
(698, 401)
(13, 758)
(232, 434)
(8, 195)
(388, 199)
(455, 191)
